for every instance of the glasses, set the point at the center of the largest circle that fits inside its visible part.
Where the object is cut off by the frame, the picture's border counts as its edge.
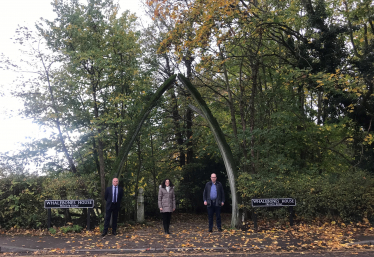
(213, 177)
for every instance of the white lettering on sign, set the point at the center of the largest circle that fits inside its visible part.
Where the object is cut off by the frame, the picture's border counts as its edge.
(85, 201)
(62, 202)
(268, 202)
(88, 203)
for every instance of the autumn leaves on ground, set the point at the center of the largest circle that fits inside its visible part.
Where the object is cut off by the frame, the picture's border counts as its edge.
(189, 232)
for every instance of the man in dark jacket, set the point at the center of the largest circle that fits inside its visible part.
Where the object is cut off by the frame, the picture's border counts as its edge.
(214, 199)
(113, 197)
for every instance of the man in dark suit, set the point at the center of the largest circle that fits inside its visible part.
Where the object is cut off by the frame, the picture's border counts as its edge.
(113, 197)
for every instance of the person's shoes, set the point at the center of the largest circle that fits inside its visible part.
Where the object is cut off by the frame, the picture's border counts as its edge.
(114, 233)
(220, 230)
(210, 230)
(103, 234)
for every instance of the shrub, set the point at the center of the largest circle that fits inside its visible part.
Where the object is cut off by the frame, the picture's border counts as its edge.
(348, 196)
(70, 187)
(74, 228)
(21, 201)
(22, 196)
(65, 229)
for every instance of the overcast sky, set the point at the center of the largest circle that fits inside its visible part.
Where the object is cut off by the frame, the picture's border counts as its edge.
(14, 129)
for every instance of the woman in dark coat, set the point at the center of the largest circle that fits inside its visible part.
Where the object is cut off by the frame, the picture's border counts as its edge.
(166, 202)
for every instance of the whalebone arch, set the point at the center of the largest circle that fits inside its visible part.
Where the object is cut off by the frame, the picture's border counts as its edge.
(205, 112)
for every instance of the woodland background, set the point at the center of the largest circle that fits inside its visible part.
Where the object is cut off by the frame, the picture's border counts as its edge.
(289, 81)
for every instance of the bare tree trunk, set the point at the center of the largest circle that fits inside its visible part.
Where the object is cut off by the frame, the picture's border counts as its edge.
(319, 104)
(153, 172)
(189, 134)
(231, 104)
(102, 171)
(100, 148)
(242, 115)
(255, 69)
(96, 156)
(176, 117)
(303, 152)
(57, 121)
(188, 63)
(177, 129)
(137, 178)
(252, 116)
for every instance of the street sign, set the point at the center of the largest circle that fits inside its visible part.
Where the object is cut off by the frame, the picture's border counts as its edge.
(273, 202)
(88, 203)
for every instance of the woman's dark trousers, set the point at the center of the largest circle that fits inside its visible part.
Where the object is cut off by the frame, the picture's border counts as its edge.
(166, 217)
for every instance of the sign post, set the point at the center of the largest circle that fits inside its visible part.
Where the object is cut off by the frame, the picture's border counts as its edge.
(273, 202)
(63, 204)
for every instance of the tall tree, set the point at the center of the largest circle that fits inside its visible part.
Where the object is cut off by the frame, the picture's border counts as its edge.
(96, 85)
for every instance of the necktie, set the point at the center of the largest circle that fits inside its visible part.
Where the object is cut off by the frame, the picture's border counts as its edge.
(115, 195)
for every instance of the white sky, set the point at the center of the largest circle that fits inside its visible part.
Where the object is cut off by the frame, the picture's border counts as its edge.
(15, 129)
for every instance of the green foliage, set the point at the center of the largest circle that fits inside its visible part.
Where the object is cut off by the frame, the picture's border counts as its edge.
(293, 102)
(296, 144)
(52, 231)
(70, 187)
(21, 201)
(22, 196)
(346, 195)
(74, 229)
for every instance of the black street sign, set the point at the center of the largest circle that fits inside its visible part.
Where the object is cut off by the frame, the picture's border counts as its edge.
(88, 203)
(273, 202)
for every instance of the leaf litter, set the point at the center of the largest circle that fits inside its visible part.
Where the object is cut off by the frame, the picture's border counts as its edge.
(189, 232)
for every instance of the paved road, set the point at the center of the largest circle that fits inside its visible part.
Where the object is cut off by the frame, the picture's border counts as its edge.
(367, 253)
(191, 238)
